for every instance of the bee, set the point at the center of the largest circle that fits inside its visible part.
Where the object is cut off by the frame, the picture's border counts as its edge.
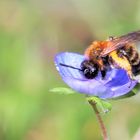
(117, 52)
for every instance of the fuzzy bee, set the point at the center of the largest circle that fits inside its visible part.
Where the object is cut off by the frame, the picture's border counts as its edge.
(118, 52)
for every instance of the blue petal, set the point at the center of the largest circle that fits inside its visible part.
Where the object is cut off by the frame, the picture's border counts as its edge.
(124, 89)
(71, 59)
(91, 87)
(116, 82)
(121, 84)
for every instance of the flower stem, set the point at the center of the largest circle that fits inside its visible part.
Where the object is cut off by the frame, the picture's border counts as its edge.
(101, 123)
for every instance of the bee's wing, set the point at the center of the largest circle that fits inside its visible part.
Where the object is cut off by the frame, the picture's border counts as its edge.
(119, 42)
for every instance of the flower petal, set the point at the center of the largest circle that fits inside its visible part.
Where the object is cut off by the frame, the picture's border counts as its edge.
(121, 84)
(116, 82)
(90, 87)
(71, 59)
(123, 89)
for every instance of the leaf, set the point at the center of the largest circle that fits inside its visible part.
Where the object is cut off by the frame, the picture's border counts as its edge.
(136, 89)
(103, 105)
(62, 90)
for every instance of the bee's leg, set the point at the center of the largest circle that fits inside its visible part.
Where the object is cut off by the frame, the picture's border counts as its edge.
(130, 82)
(102, 68)
(110, 38)
(103, 73)
(131, 78)
(121, 53)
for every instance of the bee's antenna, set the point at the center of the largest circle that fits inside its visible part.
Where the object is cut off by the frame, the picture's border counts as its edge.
(69, 66)
(72, 68)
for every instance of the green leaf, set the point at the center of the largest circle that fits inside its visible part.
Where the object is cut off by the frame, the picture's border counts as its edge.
(62, 90)
(104, 106)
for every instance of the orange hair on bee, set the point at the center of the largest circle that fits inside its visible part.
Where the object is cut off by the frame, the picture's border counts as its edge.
(95, 49)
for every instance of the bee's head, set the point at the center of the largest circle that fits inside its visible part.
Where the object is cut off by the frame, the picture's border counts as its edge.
(89, 69)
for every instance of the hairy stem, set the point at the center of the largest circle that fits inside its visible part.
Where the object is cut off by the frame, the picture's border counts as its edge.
(101, 123)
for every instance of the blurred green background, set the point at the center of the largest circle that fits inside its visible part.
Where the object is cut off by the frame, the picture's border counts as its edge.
(32, 32)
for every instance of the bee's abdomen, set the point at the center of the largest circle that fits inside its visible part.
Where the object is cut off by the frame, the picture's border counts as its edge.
(133, 56)
(136, 69)
(134, 59)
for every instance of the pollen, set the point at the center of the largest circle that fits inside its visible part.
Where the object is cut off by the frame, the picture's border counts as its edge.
(121, 62)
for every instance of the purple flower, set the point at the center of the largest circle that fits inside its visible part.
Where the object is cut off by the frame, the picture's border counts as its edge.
(115, 84)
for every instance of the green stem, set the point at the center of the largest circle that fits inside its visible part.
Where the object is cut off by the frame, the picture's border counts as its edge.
(101, 123)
